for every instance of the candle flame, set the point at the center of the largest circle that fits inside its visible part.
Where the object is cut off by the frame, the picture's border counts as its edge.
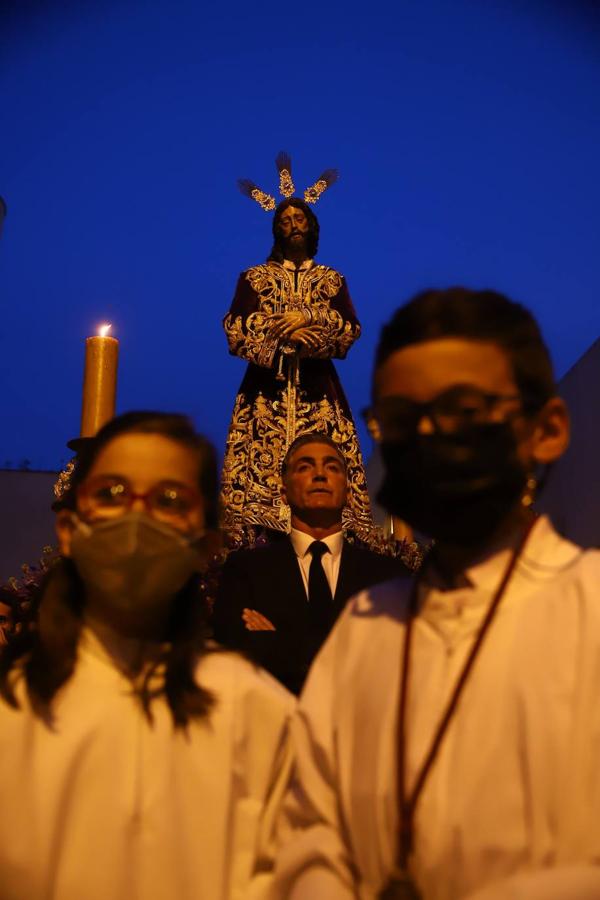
(104, 329)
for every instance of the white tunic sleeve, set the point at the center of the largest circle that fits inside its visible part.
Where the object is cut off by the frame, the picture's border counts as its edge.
(313, 862)
(512, 805)
(109, 805)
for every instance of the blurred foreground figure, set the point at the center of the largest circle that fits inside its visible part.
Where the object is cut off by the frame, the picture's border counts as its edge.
(448, 736)
(137, 761)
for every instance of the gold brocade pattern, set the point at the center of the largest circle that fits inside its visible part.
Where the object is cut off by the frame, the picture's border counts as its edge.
(259, 436)
(264, 425)
(274, 284)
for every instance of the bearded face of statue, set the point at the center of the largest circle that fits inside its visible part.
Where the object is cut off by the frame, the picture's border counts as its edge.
(293, 231)
(293, 228)
(296, 231)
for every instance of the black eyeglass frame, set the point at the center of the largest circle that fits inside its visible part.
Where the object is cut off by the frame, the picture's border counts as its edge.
(380, 420)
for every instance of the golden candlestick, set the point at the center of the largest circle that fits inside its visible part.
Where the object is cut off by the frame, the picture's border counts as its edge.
(99, 381)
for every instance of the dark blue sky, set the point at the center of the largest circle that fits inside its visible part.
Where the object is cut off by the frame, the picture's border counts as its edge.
(467, 135)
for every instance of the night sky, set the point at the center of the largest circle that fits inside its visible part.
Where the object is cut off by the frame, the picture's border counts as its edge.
(467, 135)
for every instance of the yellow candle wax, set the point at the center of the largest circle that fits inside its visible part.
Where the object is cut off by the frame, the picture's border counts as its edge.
(99, 381)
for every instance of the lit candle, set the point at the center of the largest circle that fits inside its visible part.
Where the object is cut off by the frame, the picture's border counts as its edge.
(99, 381)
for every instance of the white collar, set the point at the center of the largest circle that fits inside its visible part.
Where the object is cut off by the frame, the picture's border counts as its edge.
(301, 541)
(545, 554)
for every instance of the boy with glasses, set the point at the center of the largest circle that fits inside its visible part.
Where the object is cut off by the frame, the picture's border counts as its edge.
(462, 762)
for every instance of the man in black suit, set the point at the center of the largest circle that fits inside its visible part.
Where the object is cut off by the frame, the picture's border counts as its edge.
(278, 603)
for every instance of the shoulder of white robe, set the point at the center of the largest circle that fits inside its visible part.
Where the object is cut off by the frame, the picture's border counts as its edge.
(226, 670)
(387, 598)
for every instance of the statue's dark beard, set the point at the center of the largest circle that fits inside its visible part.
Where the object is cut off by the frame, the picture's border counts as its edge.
(291, 246)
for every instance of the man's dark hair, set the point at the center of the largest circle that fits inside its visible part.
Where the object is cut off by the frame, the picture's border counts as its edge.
(47, 648)
(478, 316)
(314, 437)
(312, 236)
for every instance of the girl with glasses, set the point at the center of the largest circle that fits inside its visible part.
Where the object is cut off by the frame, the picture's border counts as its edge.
(139, 759)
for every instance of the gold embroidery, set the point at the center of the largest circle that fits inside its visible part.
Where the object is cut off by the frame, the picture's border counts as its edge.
(251, 341)
(274, 285)
(258, 439)
(262, 429)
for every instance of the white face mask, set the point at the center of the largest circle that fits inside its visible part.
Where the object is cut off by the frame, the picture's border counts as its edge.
(132, 566)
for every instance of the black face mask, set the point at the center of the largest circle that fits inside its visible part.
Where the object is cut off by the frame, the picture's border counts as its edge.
(456, 487)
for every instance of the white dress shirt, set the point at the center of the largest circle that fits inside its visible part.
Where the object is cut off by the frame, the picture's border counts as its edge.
(330, 561)
(511, 808)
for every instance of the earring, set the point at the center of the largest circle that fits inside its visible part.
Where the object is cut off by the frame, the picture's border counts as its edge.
(529, 493)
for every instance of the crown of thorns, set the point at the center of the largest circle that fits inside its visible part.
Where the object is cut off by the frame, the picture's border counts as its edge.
(286, 185)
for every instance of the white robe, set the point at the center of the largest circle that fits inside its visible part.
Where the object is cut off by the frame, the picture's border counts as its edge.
(109, 807)
(511, 808)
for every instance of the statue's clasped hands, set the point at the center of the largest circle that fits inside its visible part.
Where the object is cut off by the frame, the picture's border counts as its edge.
(282, 325)
(292, 325)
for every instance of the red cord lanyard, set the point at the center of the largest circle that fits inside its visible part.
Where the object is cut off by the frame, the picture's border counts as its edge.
(407, 804)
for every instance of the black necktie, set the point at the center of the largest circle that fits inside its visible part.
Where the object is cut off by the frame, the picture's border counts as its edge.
(320, 600)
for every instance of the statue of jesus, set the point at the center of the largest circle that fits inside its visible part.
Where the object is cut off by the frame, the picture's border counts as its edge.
(289, 318)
